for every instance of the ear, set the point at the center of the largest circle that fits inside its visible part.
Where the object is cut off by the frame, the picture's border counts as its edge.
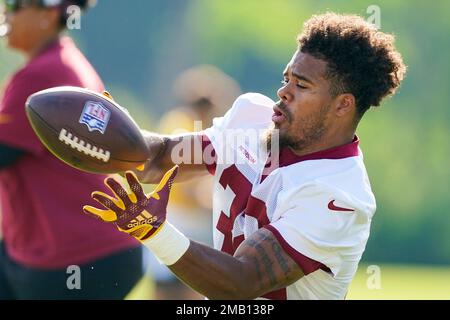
(345, 104)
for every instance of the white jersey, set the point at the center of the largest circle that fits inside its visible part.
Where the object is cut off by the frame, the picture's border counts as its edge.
(318, 206)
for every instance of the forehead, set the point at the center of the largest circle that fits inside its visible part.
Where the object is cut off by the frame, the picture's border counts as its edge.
(305, 64)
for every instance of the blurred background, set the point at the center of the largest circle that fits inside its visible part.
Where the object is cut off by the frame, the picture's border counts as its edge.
(140, 48)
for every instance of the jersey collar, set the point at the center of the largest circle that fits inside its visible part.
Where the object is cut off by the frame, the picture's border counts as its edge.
(288, 157)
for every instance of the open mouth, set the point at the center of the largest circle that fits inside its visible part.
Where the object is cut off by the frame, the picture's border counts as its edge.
(278, 116)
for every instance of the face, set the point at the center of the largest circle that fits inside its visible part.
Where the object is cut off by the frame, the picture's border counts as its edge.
(19, 24)
(302, 114)
(27, 26)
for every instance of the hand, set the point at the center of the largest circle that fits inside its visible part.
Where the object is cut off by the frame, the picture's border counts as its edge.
(135, 213)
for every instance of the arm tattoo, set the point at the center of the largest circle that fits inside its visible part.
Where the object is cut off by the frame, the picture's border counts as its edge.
(278, 252)
(268, 264)
(258, 270)
(265, 260)
(281, 260)
(273, 267)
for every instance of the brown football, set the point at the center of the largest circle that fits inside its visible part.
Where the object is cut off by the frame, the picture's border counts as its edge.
(87, 130)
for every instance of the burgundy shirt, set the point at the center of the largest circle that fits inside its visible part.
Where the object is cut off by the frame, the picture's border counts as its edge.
(41, 198)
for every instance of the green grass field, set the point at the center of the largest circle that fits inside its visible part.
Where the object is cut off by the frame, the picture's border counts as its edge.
(399, 282)
(403, 282)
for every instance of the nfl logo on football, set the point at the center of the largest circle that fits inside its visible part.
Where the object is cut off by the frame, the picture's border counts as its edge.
(95, 116)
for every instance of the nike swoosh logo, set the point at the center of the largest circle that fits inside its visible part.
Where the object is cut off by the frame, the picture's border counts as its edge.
(333, 207)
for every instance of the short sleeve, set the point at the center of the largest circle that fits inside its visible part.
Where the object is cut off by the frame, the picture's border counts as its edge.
(249, 111)
(15, 129)
(323, 225)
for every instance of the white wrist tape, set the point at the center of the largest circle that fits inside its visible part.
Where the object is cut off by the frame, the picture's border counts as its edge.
(168, 244)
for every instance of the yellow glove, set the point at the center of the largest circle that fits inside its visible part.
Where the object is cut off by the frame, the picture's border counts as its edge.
(135, 213)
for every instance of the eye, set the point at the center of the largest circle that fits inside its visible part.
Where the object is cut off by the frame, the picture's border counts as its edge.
(285, 81)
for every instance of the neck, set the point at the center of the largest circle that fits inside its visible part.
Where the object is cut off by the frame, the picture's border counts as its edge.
(326, 142)
(41, 45)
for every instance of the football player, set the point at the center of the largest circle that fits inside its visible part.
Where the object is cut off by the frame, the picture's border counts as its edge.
(288, 224)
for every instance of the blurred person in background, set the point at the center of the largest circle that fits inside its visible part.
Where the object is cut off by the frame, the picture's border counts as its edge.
(44, 230)
(203, 93)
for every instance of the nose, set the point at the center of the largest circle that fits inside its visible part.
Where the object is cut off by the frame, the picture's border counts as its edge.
(284, 94)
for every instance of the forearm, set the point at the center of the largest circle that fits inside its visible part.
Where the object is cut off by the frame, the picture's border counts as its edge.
(157, 163)
(215, 274)
(166, 151)
(258, 266)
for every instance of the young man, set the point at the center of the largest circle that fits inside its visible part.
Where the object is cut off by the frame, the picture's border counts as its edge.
(296, 230)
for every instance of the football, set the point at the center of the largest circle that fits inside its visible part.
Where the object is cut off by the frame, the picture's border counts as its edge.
(87, 130)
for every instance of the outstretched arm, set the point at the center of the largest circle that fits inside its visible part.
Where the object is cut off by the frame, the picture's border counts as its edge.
(166, 151)
(260, 265)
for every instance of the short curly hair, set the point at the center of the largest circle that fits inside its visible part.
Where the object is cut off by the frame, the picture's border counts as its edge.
(360, 59)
